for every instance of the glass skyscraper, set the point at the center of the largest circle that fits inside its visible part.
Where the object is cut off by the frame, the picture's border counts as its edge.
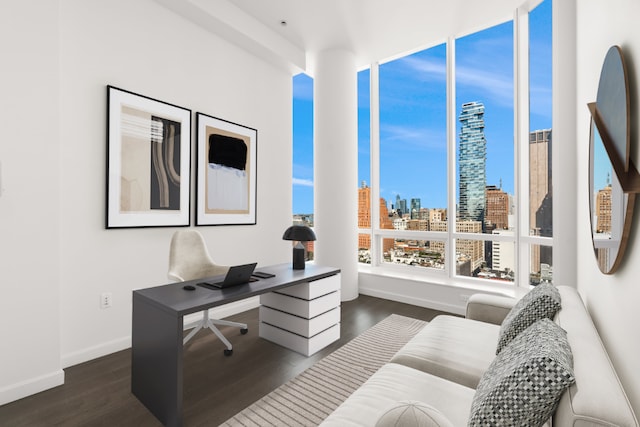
(472, 158)
(415, 208)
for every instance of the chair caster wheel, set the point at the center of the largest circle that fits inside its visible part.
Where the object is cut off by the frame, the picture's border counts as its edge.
(228, 352)
(243, 331)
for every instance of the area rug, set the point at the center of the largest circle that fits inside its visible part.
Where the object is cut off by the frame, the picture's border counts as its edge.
(310, 397)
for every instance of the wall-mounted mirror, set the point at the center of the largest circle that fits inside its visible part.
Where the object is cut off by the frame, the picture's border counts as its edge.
(613, 179)
(611, 208)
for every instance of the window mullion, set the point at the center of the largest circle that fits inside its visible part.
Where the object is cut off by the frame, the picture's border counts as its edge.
(374, 111)
(521, 141)
(450, 251)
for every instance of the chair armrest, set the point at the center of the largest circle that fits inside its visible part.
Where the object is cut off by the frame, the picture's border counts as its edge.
(489, 308)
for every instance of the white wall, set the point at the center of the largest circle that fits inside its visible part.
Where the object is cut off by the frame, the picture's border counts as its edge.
(53, 161)
(612, 300)
(29, 199)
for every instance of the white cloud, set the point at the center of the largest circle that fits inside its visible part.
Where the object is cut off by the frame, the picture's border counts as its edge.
(495, 85)
(413, 138)
(427, 66)
(303, 182)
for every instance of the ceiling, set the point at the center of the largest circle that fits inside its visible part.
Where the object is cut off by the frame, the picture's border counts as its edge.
(374, 30)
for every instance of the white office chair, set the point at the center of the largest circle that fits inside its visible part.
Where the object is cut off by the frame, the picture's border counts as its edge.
(188, 260)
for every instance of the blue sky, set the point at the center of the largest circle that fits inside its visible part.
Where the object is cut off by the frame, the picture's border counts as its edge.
(413, 113)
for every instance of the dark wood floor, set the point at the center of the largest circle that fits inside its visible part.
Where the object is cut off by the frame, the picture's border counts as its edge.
(97, 393)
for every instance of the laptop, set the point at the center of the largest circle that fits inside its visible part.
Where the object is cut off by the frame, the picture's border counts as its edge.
(237, 275)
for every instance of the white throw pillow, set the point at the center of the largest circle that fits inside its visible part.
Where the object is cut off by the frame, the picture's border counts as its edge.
(412, 413)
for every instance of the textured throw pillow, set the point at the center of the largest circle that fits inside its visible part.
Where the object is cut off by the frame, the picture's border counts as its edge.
(413, 413)
(524, 383)
(541, 302)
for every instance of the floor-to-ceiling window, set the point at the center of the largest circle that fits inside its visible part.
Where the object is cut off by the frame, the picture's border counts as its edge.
(484, 106)
(413, 158)
(364, 166)
(540, 194)
(454, 156)
(465, 195)
(302, 192)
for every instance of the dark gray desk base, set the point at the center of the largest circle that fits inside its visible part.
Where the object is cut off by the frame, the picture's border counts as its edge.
(157, 331)
(156, 361)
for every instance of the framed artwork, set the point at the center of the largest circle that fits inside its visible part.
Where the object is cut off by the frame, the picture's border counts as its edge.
(226, 172)
(148, 161)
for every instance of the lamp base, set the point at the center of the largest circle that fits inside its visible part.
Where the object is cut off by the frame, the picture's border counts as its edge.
(298, 257)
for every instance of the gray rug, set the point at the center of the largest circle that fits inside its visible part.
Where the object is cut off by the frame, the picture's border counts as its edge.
(310, 397)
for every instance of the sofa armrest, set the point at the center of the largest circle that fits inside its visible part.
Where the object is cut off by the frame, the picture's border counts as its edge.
(489, 308)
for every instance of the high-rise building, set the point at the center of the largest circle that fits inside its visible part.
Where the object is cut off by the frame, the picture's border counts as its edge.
(401, 206)
(497, 214)
(603, 210)
(364, 206)
(364, 218)
(503, 253)
(496, 217)
(473, 249)
(472, 157)
(415, 209)
(540, 189)
(540, 195)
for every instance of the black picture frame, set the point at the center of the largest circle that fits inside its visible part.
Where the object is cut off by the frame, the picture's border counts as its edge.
(148, 162)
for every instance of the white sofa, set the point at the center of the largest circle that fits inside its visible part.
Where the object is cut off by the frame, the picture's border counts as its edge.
(444, 363)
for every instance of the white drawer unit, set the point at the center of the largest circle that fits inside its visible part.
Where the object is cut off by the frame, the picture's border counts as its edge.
(307, 309)
(304, 317)
(300, 325)
(298, 343)
(313, 290)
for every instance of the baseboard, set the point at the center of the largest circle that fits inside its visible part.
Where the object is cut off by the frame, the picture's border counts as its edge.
(22, 389)
(96, 351)
(104, 349)
(421, 302)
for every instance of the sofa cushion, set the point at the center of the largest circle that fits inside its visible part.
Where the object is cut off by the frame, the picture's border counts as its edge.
(393, 383)
(453, 348)
(526, 380)
(489, 308)
(413, 413)
(541, 302)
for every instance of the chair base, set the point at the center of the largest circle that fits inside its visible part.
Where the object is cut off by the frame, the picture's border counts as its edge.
(206, 322)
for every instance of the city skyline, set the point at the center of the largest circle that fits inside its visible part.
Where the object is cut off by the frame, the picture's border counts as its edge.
(413, 113)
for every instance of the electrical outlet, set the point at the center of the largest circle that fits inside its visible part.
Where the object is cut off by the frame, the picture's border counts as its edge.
(105, 300)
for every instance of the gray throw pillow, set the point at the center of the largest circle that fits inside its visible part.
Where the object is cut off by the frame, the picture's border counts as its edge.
(541, 302)
(524, 383)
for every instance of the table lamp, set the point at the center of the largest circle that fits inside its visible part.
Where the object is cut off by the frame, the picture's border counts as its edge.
(299, 233)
